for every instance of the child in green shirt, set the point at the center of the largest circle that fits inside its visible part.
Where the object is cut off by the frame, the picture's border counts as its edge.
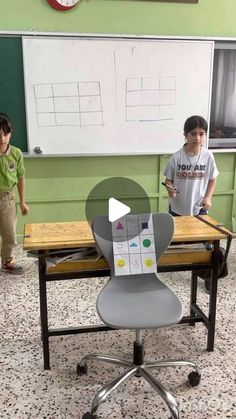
(12, 173)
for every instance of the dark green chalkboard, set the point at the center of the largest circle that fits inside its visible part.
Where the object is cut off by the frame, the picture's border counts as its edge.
(12, 96)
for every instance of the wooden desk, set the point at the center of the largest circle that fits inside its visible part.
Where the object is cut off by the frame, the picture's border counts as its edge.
(45, 237)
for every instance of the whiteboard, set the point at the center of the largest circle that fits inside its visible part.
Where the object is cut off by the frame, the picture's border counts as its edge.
(113, 95)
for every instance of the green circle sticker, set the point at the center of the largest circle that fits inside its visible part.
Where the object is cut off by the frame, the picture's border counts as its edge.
(146, 243)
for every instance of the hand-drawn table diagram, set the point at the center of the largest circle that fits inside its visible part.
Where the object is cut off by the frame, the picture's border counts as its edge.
(80, 103)
(113, 95)
(60, 104)
(150, 99)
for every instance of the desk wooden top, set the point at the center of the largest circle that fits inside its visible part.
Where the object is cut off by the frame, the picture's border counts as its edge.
(62, 235)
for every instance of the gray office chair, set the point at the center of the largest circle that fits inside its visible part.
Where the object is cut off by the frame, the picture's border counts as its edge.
(137, 302)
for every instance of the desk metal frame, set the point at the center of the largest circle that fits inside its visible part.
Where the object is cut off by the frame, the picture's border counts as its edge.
(196, 314)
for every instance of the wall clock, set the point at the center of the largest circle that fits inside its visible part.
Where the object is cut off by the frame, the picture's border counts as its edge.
(63, 4)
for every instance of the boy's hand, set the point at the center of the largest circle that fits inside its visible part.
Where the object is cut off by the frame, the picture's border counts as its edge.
(24, 208)
(206, 202)
(172, 191)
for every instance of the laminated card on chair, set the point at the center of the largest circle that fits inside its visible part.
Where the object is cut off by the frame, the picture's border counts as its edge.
(134, 245)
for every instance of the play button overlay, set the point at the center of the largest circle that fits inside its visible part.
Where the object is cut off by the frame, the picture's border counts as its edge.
(116, 209)
(112, 196)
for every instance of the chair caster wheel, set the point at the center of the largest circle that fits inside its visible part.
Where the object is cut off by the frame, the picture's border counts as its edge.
(194, 378)
(82, 369)
(88, 415)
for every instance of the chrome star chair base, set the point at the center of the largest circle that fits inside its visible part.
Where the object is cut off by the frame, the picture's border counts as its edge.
(137, 302)
(139, 368)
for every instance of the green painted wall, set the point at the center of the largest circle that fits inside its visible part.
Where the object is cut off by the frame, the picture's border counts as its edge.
(57, 187)
(207, 18)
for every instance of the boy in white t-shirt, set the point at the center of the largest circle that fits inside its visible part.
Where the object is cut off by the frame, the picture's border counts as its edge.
(191, 172)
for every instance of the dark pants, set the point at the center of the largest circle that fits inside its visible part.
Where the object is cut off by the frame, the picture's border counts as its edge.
(208, 245)
(202, 211)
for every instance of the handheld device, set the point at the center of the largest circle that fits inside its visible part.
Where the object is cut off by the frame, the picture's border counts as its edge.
(170, 187)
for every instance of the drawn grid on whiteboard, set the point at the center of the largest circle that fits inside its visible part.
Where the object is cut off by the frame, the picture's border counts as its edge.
(68, 104)
(150, 99)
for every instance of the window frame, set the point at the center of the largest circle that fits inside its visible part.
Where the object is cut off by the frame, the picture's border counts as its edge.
(226, 143)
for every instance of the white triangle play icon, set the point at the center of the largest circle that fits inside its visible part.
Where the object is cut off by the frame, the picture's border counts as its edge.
(116, 209)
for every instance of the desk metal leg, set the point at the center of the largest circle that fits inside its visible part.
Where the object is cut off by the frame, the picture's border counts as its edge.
(43, 311)
(193, 295)
(213, 300)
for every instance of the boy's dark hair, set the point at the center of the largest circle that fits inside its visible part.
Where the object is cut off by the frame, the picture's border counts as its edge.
(193, 122)
(5, 124)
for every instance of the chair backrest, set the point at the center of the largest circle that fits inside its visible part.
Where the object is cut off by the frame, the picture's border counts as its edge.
(163, 227)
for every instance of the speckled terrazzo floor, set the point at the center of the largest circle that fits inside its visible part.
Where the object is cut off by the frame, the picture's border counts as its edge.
(27, 391)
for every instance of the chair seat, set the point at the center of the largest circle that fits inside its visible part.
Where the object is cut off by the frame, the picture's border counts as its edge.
(138, 302)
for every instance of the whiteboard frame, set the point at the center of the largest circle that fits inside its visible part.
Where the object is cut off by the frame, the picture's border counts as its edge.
(125, 35)
(111, 37)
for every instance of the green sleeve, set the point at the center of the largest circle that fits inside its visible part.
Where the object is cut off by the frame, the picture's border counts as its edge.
(20, 166)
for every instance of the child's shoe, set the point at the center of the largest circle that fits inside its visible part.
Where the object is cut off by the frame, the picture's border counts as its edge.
(12, 267)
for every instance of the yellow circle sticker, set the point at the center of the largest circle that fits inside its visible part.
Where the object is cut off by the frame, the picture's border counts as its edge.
(120, 262)
(148, 262)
